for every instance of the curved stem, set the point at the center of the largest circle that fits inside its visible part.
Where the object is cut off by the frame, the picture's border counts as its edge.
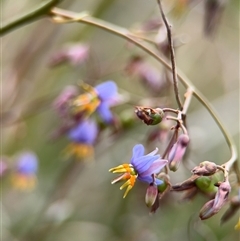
(124, 33)
(41, 11)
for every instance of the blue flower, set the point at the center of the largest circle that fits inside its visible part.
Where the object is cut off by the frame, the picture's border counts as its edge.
(27, 163)
(24, 178)
(98, 99)
(141, 167)
(82, 138)
(106, 92)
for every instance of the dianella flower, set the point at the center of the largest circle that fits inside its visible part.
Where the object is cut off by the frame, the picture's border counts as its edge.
(24, 177)
(141, 167)
(82, 138)
(98, 98)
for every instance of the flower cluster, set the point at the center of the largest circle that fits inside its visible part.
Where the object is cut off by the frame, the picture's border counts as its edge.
(76, 109)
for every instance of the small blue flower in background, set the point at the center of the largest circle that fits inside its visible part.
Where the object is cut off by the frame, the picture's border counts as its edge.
(99, 98)
(141, 167)
(106, 91)
(24, 178)
(82, 139)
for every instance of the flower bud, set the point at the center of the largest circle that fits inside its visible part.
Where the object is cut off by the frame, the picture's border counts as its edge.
(177, 152)
(149, 115)
(151, 195)
(205, 168)
(213, 206)
(207, 210)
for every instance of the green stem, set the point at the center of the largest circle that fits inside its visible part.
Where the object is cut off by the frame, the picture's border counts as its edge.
(124, 33)
(41, 11)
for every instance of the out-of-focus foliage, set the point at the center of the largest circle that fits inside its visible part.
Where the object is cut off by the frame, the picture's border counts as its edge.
(72, 199)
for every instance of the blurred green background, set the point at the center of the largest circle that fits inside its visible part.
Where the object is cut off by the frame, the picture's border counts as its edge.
(76, 201)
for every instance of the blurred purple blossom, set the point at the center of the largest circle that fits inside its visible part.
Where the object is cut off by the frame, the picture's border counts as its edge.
(75, 54)
(85, 132)
(27, 163)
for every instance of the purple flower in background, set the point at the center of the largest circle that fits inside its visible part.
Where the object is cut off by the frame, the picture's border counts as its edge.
(99, 98)
(141, 167)
(75, 54)
(107, 93)
(27, 163)
(82, 138)
(24, 178)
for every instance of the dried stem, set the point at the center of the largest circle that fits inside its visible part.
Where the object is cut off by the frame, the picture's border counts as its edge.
(173, 61)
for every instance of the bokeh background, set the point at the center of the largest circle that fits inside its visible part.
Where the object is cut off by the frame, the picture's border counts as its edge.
(75, 200)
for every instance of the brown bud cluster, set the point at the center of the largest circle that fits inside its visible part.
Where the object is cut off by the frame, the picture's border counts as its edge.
(205, 168)
(149, 115)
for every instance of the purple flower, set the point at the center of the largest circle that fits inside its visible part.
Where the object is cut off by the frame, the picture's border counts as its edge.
(24, 178)
(85, 132)
(141, 167)
(99, 98)
(27, 163)
(82, 137)
(107, 92)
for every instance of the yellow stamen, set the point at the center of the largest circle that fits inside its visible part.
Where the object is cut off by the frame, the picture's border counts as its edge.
(79, 150)
(129, 184)
(124, 176)
(24, 182)
(123, 168)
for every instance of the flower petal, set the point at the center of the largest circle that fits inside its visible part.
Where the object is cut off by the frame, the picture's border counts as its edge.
(153, 152)
(149, 180)
(154, 168)
(138, 151)
(85, 132)
(104, 112)
(142, 164)
(106, 90)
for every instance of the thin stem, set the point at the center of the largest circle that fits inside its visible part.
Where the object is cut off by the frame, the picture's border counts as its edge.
(40, 11)
(173, 62)
(188, 97)
(124, 33)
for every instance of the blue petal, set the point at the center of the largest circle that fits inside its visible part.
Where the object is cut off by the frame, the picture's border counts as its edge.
(143, 163)
(27, 163)
(149, 180)
(104, 112)
(156, 167)
(85, 132)
(106, 90)
(138, 151)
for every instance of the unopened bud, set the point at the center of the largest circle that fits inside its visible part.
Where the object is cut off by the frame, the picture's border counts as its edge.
(177, 152)
(207, 210)
(222, 194)
(149, 115)
(205, 168)
(151, 195)
(213, 206)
